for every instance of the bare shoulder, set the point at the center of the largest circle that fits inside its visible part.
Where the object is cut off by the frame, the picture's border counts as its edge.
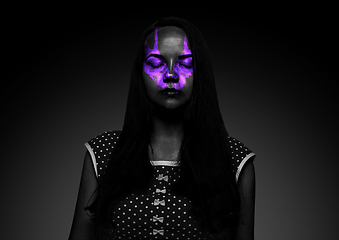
(88, 173)
(247, 175)
(246, 185)
(82, 226)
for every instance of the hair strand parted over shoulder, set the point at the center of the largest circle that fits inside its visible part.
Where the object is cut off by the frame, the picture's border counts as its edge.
(206, 176)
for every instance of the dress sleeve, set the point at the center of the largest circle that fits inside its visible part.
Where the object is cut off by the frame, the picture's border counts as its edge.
(100, 148)
(240, 155)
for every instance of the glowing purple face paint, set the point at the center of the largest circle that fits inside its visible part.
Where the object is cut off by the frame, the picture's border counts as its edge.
(157, 69)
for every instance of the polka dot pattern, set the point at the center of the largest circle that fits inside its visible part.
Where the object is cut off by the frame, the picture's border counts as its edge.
(101, 148)
(157, 213)
(240, 155)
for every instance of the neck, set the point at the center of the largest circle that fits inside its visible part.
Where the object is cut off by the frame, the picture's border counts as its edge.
(167, 126)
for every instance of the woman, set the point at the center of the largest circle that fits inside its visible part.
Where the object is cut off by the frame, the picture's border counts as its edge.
(173, 172)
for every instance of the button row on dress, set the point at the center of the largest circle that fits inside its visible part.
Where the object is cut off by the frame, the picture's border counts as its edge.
(157, 202)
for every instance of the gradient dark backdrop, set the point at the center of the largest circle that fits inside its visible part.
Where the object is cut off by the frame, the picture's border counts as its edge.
(66, 80)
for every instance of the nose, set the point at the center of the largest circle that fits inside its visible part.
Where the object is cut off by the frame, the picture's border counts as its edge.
(171, 76)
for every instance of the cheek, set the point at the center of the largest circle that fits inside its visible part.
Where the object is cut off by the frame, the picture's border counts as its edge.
(155, 74)
(184, 74)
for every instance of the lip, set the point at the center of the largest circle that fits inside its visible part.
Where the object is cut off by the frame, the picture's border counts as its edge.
(170, 90)
(170, 93)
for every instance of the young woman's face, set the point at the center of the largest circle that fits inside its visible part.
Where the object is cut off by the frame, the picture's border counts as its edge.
(168, 67)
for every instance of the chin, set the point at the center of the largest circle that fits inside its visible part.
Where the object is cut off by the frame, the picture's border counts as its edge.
(172, 104)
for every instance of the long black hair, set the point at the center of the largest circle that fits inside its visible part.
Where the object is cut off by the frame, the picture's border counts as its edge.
(206, 176)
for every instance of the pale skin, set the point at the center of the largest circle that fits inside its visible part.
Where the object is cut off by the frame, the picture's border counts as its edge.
(167, 134)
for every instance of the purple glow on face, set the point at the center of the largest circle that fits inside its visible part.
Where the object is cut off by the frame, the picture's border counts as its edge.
(186, 49)
(155, 49)
(158, 70)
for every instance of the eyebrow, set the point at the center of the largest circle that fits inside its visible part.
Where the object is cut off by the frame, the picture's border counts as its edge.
(162, 57)
(155, 55)
(185, 56)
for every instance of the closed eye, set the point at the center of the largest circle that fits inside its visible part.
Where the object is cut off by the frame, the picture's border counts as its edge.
(187, 62)
(154, 62)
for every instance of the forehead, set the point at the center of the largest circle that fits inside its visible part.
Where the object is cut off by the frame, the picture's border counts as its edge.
(165, 38)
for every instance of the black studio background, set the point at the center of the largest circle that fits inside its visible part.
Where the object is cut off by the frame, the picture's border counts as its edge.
(66, 80)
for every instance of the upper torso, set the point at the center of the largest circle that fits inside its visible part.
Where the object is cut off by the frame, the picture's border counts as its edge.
(157, 213)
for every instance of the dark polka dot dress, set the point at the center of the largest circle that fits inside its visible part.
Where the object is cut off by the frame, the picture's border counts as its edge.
(157, 213)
